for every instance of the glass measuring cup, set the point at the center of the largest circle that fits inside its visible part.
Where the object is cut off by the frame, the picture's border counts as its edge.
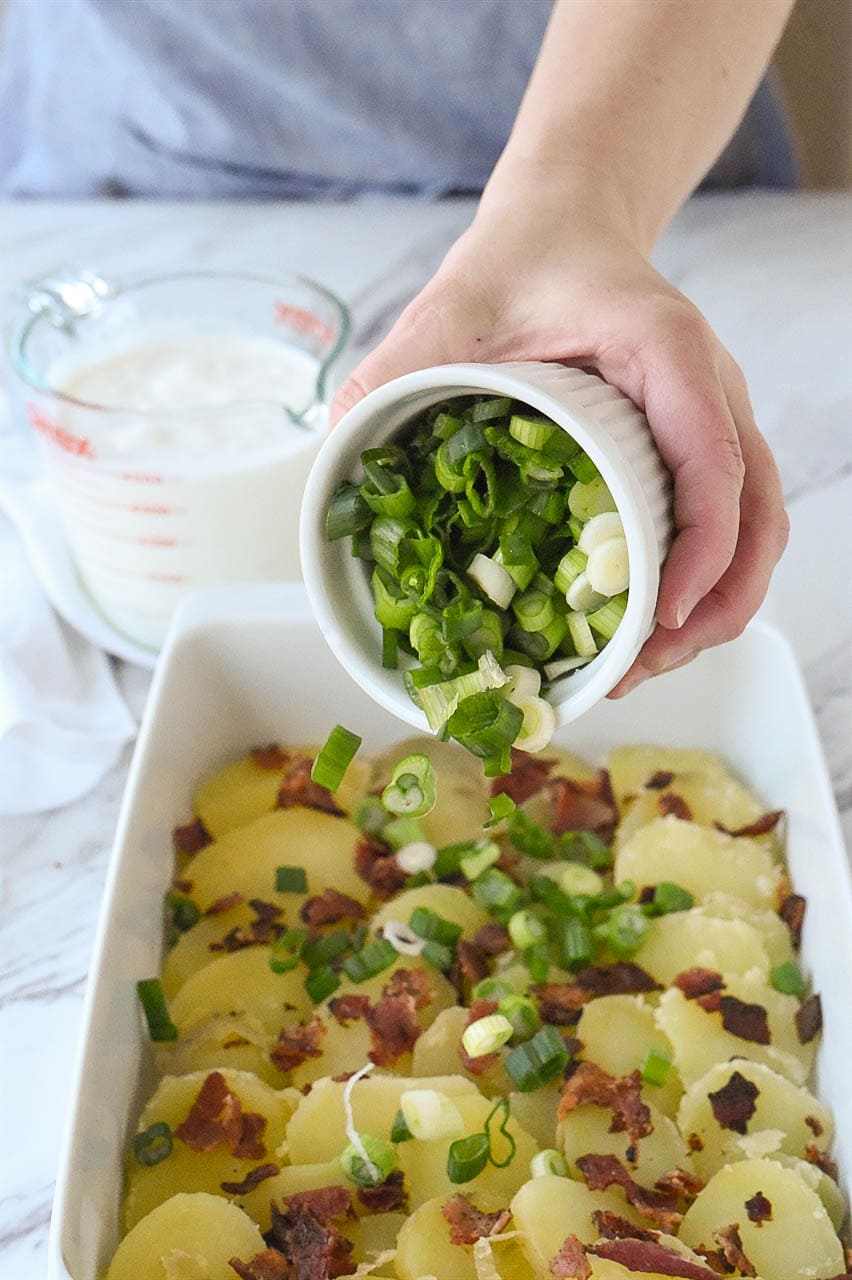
(159, 500)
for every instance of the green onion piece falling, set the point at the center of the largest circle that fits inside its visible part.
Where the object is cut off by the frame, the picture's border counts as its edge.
(335, 758)
(412, 790)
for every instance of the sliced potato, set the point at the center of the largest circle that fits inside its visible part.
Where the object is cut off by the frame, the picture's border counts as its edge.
(192, 950)
(242, 983)
(587, 1130)
(631, 768)
(291, 1179)
(235, 1041)
(195, 1232)
(445, 899)
(689, 939)
(536, 1112)
(617, 1033)
(424, 1247)
(546, 1210)
(773, 930)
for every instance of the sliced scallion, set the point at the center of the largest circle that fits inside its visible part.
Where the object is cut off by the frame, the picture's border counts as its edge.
(411, 791)
(467, 1158)
(156, 1010)
(335, 758)
(153, 1145)
(291, 880)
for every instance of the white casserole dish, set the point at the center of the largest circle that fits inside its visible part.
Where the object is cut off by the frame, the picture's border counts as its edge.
(247, 666)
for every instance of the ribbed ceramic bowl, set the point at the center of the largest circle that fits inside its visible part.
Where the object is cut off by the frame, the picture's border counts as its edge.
(600, 418)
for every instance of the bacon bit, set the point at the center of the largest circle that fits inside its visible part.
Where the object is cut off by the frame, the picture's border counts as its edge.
(759, 1209)
(646, 894)
(728, 1240)
(251, 1180)
(375, 863)
(680, 1182)
(699, 982)
(671, 805)
(191, 838)
(184, 886)
(809, 1019)
(600, 1172)
(590, 1084)
(570, 1263)
(583, 806)
(471, 964)
(492, 938)
(235, 1042)
(760, 827)
(349, 1008)
(650, 1256)
(560, 1003)
(386, 1197)
(694, 1142)
(714, 1260)
(217, 1116)
(260, 932)
(269, 1264)
(394, 1029)
(735, 1103)
(316, 1249)
(296, 1044)
(527, 778)
(613, 1227)
(814, 1125)
(619, 979)
(748, 1021)
(468, 1224)
(297, 788)
(411, 982)
(792, 912)
(272, 757)
(485, 1061)
(821, 1159)
(224, 904)
(325, 1203)
(660, 780)
(330, 907)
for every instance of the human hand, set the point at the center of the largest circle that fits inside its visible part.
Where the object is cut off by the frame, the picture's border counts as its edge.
(530, 283)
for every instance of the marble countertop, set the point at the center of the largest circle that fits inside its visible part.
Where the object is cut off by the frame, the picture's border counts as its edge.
(771, 273)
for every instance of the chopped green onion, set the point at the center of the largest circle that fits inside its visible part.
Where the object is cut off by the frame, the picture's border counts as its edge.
(572, 564)
(521, 1013)
(501, 1110)
(411, 791)
(438, 955)
(537, 961)
(486, 637)
(607, 619)
(525, 930)
(440, 701)
(543, 643)
(320, 983)
(624, 931)
(495, 581)
(577, 879)
(582, 468)
(473, 864)
(548, 1162)
(585, 846)
(285, 952)
(388, 539)
(184, 912)
(486, 724)
(427, 924)
(291, 880)
(335, 758)
(379, 1165)
(502, 806)
(400, 832)
(370, 960)
(487, 410)
(467, 1158)
(430, 1114)
(655, 1068)
(400, 1131)
(669, 897)
(416, 857)
(347, 513)
(153, 1145)
(581, 635)
(370, 815)
(586, 500)
(446, 425)
(448, 861)
(533, 432)
(497, 893)
(534, 610)
(576, 944)
(516, 556)
(486, 1035)
(788, 978)
(392, 608)
(538, 1061)
(491, 989)
(529, 838)
(321, 951)
(156, 1010)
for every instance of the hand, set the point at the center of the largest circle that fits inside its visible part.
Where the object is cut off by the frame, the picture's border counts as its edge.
(528, 283)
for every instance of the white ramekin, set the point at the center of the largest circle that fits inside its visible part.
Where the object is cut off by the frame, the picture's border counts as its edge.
(603, 421)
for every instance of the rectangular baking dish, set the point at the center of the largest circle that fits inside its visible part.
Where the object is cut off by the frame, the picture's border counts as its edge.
(248, 666)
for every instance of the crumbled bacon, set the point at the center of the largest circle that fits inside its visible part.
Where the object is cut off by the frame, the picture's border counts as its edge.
(411, 982)
(821, 1159)
(613, 1227)
(728, 1240)
(527, 778)
(296, 1044)
(492, 938)
(717, 1264)
(583, 806)
(759, 1209)
(349, 1008)
(471, 965)
(468, 1224)
(601, 1171)
(650, 1256)
(748, 1021)
(695, 1142)
(814, 1125)
(315, 1249)
(260, 932)
(485, 1061)
(298, 788)
(590, 1084)
(184, 886)
(699, 982)
(680, 1182)
(271, 757)
(325, 1203)
(386, 1197)
(191, 838)
(560, 1003)
(224, 904)
(660, 780)
(760, 827)
(376, 864)
(269, 1264)
(393, 1029)
(619, 979)
(330, 907)
(217, 1116)
(792, 912)
(809, 1019)
(735, 1103)
(570, 1263)
(251, 1180)
(671, 805)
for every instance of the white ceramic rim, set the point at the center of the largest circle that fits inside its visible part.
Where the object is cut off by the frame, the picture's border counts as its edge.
(330, 572)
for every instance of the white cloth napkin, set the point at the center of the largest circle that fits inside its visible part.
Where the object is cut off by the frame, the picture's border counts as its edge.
(63, 722)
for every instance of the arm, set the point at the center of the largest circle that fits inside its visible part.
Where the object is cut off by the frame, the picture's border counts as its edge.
(628, 105)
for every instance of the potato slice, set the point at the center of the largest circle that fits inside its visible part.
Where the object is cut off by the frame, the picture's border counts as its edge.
(445, 899)
(192, 950)
(462, 788)
(235, 1041)
(185, 1169)
(191, 1236)
(690, 939)
(700, 860)
(793, 1114)
(436, 1053)
(773, 930)
(631, 768)
(242, 983)
(547, 1209)
(587, 1130)
(291, 1179)
(797, 1242)
(617, 1032)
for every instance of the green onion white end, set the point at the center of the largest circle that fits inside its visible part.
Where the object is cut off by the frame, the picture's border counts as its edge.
(431, 1114)
(486, 1035)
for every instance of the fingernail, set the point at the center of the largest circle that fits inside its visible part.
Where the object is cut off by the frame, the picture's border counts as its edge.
(629, 682)
(678, 660)
(684, 609)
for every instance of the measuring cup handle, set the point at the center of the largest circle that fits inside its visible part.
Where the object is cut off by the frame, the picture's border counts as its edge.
(64, 294)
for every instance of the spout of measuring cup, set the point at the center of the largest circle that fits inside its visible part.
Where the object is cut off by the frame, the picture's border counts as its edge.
(64, 295)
